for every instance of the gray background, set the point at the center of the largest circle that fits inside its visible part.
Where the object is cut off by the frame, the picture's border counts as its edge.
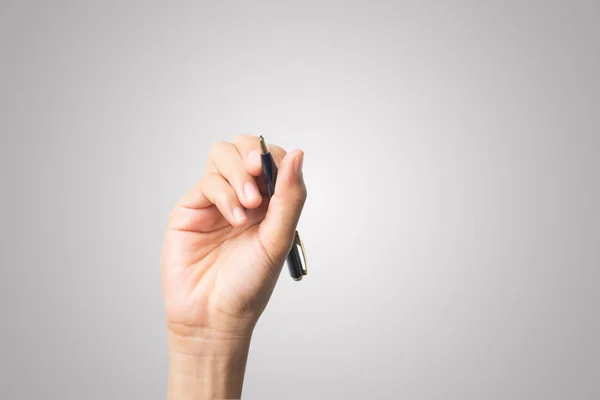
(453, 175)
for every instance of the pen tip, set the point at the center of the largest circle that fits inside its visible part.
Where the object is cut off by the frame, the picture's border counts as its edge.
(264, 149)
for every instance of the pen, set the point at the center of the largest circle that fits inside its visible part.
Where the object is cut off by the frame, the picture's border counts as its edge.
(296, 259)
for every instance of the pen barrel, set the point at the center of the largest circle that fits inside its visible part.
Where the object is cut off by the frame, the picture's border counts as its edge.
(269, 170)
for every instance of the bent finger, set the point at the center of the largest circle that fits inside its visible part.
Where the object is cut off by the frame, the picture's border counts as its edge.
(227, 160)
(220, 193)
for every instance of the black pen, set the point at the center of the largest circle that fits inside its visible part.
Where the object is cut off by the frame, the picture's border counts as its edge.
(296, 258)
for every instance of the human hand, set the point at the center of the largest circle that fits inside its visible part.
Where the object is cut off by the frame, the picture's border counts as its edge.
(225, 246)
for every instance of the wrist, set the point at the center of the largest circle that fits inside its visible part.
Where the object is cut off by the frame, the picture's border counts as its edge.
(206, 364)
(207, 343)
(207, 340)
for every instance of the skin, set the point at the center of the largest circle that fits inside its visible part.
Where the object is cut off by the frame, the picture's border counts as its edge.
(224, 249)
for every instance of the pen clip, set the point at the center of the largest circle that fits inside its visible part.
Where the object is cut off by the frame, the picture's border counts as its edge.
(298, 242)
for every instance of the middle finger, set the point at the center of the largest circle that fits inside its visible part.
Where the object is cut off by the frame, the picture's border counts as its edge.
(226, 159)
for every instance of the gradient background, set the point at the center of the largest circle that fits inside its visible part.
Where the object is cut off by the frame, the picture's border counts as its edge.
(452, 162)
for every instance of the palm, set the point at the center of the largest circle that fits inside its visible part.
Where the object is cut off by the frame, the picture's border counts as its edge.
(215, 270)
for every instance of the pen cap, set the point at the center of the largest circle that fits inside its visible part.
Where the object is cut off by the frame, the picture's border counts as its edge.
(296, 259)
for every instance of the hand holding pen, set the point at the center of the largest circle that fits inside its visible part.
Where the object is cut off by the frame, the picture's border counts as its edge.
(226, 242)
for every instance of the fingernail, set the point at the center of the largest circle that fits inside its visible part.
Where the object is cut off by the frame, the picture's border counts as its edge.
(298, 165)
(238, 214)
(250, 191)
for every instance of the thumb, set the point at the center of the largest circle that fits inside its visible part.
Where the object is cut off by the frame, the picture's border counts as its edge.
(276, 231)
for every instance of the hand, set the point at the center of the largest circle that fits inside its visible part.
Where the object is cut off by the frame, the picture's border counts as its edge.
(225, 246)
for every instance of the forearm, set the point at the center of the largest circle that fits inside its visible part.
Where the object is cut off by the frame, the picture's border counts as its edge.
(201, 368)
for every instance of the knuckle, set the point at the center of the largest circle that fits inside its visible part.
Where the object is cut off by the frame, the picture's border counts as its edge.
(240, 138)
(218, 148)
(302, 195)
(208, 179)
(304, 191)
(279, 151)
(210, 175)
(174, 215)
(227, 197)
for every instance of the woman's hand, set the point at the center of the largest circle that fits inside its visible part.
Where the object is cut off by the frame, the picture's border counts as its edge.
(224, 249)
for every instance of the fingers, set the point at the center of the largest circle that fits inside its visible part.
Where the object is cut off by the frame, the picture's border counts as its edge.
(230, 184)
(276, 232)
(227, 160)
(220, 193)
